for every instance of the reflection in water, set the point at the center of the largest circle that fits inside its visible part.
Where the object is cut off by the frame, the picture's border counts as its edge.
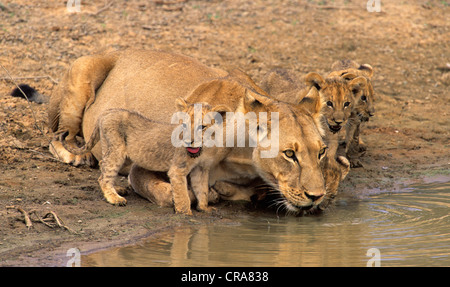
(410, 228)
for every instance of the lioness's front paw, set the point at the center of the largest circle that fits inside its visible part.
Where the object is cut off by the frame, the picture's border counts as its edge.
(213, 196)
(87, 159)
(207, 209)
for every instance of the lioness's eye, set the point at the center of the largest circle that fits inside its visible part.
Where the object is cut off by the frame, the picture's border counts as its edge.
(330, 104)
(346, 104)
(363, 98)
(184, 126)
(290, 154)
(322, 152)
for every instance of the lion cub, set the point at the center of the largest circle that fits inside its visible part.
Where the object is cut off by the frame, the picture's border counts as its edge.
(127, 134)
(363, 109)
(337, 92)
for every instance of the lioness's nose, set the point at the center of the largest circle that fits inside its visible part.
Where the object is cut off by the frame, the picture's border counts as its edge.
(314, 196)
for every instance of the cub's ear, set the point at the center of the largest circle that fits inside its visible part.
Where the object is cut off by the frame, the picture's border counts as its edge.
(180, 104)
(367, 70)
(313, 102)
(314, 80)
(357, 85)
(349, 76)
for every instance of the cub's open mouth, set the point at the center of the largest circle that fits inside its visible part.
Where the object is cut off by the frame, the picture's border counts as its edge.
(335, 128)
(194, 151)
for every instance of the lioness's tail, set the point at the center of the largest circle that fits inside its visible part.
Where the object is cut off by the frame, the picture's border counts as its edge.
(29, 93)
(95, 137)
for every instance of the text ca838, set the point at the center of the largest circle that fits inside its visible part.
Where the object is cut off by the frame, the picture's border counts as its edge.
(247, 276)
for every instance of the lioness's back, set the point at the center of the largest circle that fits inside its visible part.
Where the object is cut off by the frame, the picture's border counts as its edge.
(147, 82)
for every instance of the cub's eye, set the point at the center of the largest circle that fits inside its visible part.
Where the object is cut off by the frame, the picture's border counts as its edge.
(184, 126)
(322, 152)
(330, 104)
(346, 104)
(290, 153)
(363, 98)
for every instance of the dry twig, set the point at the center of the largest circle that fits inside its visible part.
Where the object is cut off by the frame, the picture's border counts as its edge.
(57, 220)
(168, 2)
(26, 216)
(171, 5)
(104, 8)
(330, 7)
(50, 219)
(29, 78)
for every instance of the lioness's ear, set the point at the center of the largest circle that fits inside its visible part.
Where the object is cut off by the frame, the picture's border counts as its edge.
(314, 80)
(367, 70)
(254, 101)
(357, 84)
(312, 102)
(180, 104)
(221, 109)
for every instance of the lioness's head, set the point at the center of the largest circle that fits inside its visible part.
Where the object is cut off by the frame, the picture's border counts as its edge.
(339, 96)
(294, 170)
(346, 69)
(290, 162)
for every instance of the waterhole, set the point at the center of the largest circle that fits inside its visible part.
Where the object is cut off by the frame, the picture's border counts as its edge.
(406, 228)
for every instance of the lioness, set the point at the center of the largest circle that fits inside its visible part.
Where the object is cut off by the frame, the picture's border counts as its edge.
(129, 134)
(149, 82)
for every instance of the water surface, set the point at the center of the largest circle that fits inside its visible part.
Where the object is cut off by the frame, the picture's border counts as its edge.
(408, 228)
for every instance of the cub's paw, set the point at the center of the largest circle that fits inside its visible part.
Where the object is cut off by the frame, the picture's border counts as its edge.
(355, 163)
(183, 211)
(116, 200)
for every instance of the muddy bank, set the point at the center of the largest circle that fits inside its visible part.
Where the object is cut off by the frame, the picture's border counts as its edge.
(407, 140)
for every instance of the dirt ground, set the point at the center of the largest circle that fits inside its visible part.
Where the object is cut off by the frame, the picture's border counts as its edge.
(407, 43)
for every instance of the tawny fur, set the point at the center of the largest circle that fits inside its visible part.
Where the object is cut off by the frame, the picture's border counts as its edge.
(362, 111)
(125, 134)
(149, 82)
(338, 95)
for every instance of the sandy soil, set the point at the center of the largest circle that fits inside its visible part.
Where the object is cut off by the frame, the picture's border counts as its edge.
(407, 43)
